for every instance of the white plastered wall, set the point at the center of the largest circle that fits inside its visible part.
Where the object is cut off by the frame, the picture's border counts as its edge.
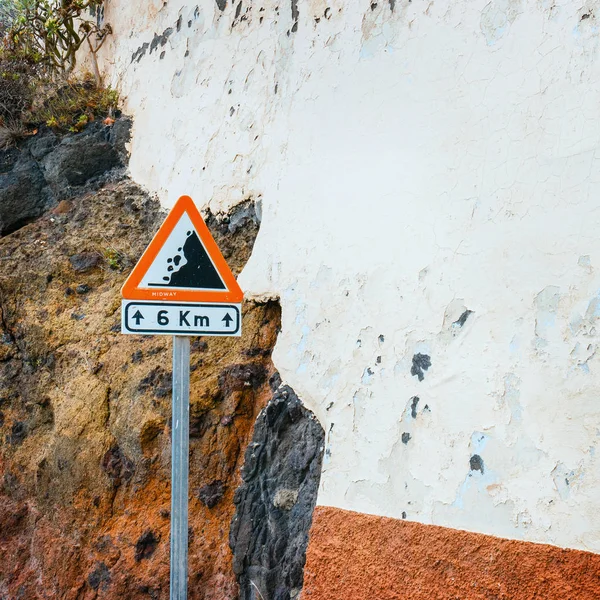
(412, 165)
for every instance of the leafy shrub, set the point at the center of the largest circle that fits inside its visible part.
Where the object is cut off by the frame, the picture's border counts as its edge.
(39, 40)
(56, 29)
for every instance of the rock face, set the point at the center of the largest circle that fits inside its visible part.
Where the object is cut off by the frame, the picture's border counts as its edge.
(22, 195)
(85, 415)
(47, 169)
(274, 504)
(80, 158)
(85, 411)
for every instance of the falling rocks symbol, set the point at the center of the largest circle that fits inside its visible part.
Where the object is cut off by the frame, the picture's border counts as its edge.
(197, 272)
(184, 260)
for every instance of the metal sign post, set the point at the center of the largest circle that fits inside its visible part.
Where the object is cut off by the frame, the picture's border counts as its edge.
(181, 286)
(180, 458)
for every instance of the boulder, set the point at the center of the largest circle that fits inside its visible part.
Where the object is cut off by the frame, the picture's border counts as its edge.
(79, 158)
(22, 196)
(42, 144)
(275, 502)
(45, 169)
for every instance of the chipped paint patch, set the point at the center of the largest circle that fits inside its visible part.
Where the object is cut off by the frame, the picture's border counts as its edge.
(497, 17)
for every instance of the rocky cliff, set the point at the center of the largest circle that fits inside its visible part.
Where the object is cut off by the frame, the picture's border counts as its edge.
(85, 410)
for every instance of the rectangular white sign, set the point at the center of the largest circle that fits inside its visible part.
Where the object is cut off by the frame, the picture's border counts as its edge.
(181, 318)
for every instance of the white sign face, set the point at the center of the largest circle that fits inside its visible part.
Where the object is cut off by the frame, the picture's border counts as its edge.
(183, 262)
(183, 318)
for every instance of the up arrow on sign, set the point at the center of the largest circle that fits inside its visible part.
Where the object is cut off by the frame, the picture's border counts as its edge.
(137, 317)
(227, 318)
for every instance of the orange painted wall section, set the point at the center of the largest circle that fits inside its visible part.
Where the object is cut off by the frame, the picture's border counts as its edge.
(352, 556)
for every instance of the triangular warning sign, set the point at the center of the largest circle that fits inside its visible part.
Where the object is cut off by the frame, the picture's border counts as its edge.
(182, 263)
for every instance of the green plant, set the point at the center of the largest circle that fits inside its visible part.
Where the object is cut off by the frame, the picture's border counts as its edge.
(39, 40)
(20, 71)
(55, 30)
(114, 258)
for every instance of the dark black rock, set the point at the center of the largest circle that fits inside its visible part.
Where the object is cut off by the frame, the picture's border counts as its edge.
(8, 159)
(117, 466)
(146, 545)
(41, 145)
(211, 493)
(420, 364)
(236, 378)
(82, 289)
(45, 168)
(463, 318)
(275, 502)
(79, 158)
(100, 576)
(275, 381)
(22, 196)
(18, 433)
(120, 134)
(414, 402)
(84, 261)
(159, 381)
(476, 463)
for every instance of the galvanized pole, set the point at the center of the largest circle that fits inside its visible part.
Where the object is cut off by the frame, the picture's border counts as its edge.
(180, 444)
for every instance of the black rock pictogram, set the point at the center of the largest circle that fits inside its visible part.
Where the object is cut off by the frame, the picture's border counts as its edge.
(197, 272)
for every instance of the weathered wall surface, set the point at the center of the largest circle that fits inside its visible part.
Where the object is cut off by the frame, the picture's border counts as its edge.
(429, 176)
